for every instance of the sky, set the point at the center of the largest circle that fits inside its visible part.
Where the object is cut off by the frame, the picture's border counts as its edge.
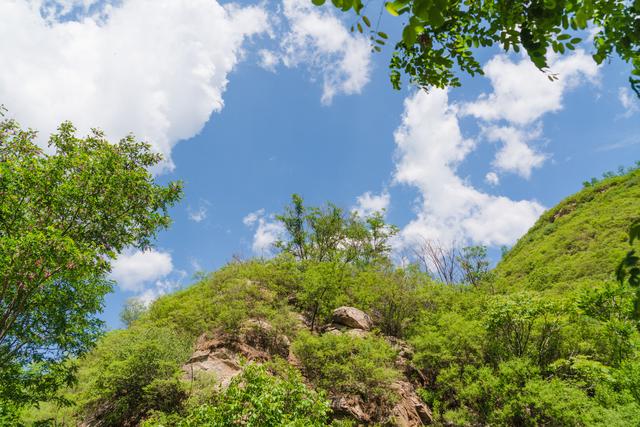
(251, 102)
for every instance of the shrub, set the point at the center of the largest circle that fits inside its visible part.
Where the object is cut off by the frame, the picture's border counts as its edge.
(131, 373)
(343, 364)
(256, 398)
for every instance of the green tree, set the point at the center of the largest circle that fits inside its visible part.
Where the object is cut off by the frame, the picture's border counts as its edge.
(440, 35)
(132, 310)
(328, 233)
(64, 214)
(474, 264)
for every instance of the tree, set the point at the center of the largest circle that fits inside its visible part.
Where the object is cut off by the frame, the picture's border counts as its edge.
(64, 214)
(474, 264)
(132, 310)
(439, 35)
(327, 234)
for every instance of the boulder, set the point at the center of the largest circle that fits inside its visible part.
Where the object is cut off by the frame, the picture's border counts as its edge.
(352, 318)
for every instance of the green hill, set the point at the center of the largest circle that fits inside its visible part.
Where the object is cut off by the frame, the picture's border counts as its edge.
(577, 243)
(334, 334)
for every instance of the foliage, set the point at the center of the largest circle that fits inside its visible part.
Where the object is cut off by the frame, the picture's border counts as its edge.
(64, 214)
(133, 309)
(578, 243)
(257, 398)
(329, 234)
(132, 372)
(340, 363)
(440, 36)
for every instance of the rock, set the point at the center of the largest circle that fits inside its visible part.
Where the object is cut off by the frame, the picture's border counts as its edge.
(352, 318)
(350, 406)
(410, 410)
(219, 353)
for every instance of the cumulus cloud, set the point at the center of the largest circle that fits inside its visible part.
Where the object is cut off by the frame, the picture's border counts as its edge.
(369, 203)
(318, 39)
(522, 94)
(267, 231)
(430, 147)
(157, 68)
(629, 102)
(515, 155)
(132, 270)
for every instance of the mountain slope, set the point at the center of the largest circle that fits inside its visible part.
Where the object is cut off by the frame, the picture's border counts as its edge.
(578, 242)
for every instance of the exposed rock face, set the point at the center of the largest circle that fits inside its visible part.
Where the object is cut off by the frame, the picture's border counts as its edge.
(220, 354)
(410, 410)
(352, 318)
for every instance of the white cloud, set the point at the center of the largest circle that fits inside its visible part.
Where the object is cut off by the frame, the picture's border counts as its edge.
(522, 94)
(156, 68)
(492, 178)
(268, 60)
(369, 203)
(515, 155)
(199, 214)
(252, 217)
(135, 269)
(629, 101)
(162, 287)
(430, 147)
(320, 40)
(267, 231)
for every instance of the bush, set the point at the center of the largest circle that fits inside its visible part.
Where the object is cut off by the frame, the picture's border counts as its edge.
(256, 398)
(342, 364)
(131, 373)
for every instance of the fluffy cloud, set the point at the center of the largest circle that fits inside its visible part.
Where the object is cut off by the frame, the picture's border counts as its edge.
(430, 147)
(157, 68)
(515, 155)
(368, 203)
(267, 231)
(135, 269)
(522, 94)
(320, 40)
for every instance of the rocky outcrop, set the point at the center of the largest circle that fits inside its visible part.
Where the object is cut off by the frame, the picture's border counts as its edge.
(220, 354)
(352, 318)
(410, 410)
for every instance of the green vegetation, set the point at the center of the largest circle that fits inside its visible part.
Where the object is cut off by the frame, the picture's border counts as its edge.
(541, 340)
(64, 215)
(439, 36)
(579, 242)
(257, 398)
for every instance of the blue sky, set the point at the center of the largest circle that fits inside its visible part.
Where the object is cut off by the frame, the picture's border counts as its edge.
(253, 102)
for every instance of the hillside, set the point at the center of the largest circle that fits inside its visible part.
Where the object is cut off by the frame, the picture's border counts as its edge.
(334, 334)
(577, 243)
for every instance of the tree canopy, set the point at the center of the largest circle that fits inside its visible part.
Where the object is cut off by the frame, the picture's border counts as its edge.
(64, 214)
(439, 36)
